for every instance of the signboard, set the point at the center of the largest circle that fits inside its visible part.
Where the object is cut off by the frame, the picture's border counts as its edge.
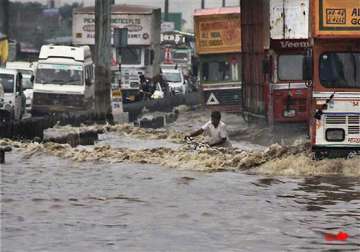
(4, 51)
(167, 26)
(139, 28)
(218, 33)
(172, 38)
(116, 104)
(289, 44)
(212, 100)
(336, 18)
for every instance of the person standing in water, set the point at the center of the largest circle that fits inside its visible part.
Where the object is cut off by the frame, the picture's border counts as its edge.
(215, 130)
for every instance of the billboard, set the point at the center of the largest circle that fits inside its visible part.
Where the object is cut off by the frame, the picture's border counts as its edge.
(139, 28)
(336, 18)
(4, 50)
(218, 33)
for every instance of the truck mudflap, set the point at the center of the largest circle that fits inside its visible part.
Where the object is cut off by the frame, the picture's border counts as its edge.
(321, 152)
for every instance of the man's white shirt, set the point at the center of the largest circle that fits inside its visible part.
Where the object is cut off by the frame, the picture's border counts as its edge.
(216, 134)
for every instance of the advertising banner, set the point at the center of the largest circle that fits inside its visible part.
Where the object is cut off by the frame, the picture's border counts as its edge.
(334, 17)
(218, 34)
(139, 28)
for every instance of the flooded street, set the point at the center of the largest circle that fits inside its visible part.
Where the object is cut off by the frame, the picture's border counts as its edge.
(93, 198)
(50, 204)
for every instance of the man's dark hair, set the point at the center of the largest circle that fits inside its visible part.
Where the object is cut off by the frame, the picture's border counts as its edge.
(216, 115)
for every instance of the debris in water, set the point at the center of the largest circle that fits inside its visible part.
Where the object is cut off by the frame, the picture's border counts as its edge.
(294, 160)
(340, 236)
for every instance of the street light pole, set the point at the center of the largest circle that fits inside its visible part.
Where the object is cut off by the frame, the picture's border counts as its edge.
(5, 19)
(103, 59)
(166, 10)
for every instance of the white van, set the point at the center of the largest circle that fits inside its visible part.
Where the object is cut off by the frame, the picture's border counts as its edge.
(13, 105)
(27, 70)
(64, 80)
(175, 78)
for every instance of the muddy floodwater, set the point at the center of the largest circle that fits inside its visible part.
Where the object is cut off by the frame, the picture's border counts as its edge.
(52, 199)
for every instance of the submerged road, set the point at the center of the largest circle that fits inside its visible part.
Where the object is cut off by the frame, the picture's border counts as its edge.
(57, 204)
(52, 204)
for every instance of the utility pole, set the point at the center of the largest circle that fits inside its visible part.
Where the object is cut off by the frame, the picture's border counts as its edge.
(103, 59)
(166, 16)
(202, 4)
(223, 3)
(5, 19)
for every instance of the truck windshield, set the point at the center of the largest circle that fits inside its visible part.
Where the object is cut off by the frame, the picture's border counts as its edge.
(290, 67)
(220, 71)
(340, 70)
(131, 56)
(172, 77)
(180, 57)
(59, 74)
(7, 81)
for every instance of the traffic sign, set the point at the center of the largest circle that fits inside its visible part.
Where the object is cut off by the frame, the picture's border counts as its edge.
(212, 100)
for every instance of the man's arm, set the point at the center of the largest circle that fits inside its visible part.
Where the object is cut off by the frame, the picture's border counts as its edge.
(196, 133)
(220, 142)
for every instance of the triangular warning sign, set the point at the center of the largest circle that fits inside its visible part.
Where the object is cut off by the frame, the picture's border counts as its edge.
(212, 100)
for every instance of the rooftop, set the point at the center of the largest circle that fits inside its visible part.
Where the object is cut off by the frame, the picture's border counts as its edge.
(217, 11)
(120, 8)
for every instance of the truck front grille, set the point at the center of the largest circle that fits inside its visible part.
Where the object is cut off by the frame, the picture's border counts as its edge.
(351, 122)
(66, 100)
(353, 129)
(354, 120)
(335, 119)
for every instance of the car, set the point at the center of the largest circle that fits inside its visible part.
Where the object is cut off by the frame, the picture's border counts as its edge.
(27, 70)
(176, 81)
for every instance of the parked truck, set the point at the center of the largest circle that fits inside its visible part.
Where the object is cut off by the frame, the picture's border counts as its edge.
(286, 93)
(141, 56)
(64, 81)
(333, 67)
(218, 46)
(275, 41)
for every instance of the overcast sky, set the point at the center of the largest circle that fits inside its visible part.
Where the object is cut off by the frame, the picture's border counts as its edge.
(184, 6)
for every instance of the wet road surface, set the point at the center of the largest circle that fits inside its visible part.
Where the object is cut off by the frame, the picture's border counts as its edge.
(53, 204)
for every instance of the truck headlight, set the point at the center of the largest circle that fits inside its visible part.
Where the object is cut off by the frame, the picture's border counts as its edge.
(289, 113)
(335, 135)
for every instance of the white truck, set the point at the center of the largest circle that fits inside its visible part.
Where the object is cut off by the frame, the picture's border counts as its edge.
(141, 56)
(27, 70)
(12, 98)
(64, 80)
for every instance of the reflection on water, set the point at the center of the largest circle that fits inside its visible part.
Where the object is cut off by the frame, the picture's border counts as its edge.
(52, 204)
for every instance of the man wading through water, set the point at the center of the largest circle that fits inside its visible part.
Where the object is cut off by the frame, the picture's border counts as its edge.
(215, 129)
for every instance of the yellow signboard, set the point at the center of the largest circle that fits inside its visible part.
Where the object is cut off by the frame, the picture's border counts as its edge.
(4, 51)
(336, 18)
(218, 33)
